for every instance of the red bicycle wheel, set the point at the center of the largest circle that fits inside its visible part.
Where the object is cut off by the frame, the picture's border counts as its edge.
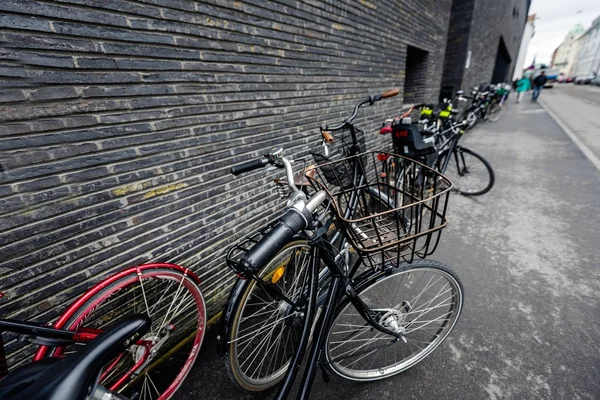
(156, 365)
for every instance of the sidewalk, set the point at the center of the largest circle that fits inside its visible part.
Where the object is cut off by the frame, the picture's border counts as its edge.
(527, 253)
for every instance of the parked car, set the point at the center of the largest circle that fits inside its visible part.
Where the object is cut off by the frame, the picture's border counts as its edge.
(584, 79)
(596, 81)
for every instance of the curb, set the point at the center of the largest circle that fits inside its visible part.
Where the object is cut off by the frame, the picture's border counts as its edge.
(582, 146)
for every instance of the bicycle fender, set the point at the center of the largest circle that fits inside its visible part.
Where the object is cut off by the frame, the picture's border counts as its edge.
(226, 322)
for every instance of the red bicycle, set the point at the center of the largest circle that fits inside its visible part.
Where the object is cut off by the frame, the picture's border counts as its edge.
(155, 315)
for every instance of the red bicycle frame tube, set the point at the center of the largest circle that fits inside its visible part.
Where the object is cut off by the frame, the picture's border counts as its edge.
(41, 352)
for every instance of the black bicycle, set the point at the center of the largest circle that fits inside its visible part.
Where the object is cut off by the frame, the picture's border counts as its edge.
(354, 333)
(471, 174)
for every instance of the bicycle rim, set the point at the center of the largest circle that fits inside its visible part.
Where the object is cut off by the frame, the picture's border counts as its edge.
(470, 173)
(265, 331)
(494, 113)
(422, 301)
(157, 364)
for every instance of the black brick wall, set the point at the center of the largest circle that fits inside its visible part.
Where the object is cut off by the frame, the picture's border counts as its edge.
(477, 25)
(119, 152)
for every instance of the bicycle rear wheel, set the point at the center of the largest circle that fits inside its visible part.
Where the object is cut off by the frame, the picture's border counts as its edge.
(156, 365)
(471, 174)
(422, 301)
(494, 112)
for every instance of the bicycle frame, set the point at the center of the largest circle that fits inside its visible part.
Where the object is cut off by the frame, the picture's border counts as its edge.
(41, 333)
(339, 280)
(241, 284)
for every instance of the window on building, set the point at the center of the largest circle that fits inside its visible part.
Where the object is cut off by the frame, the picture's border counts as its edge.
(415, 80)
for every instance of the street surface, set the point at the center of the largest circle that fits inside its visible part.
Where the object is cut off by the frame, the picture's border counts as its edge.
(528, 255)
(578, 107)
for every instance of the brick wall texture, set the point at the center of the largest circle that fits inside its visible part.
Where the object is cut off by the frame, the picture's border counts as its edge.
(478, 25)
(119, 153)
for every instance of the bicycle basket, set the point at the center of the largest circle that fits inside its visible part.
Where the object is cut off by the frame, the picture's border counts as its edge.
(395, 206)
(341, 148)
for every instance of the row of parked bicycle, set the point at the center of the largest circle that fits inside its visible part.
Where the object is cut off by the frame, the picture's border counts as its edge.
(336, 276)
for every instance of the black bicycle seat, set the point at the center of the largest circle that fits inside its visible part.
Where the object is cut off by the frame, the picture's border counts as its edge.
(72, 377)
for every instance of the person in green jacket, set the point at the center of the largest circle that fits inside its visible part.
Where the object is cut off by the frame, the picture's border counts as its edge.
(522, 86)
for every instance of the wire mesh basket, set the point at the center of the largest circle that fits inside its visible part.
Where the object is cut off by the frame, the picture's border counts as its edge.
(393, 208)
(340, 149)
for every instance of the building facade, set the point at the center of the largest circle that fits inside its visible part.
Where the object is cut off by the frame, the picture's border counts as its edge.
(588, 57)
(117, 151)
(528, 33)
(483, 42)
(566, 53)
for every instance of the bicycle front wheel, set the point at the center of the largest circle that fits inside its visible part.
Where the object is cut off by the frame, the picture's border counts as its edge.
(156, 365)
(265, 330)
(422, 301)
(470, 173)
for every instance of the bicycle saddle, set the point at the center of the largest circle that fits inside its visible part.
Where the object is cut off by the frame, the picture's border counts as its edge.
(71, 378)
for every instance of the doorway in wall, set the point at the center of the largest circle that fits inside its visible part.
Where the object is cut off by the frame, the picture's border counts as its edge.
(502, 63)
(415, 81)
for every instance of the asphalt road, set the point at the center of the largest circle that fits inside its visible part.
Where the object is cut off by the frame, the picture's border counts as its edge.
(527, 253)
(578, 108)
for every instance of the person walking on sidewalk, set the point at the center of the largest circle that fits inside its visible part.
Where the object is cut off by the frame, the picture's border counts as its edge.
(522, 86)
(538, 84)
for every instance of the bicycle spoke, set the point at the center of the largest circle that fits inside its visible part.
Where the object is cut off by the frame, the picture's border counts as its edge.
(361, 352)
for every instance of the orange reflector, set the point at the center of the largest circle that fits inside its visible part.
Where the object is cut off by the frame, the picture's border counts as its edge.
(277, 274)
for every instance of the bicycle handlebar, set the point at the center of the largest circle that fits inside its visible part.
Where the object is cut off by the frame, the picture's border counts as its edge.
(390, 93)
(371, 100)
(249, 166)
(292, 222)
(327, 136)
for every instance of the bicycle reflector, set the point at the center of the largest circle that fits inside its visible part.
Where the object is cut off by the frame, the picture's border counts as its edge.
(277, 274)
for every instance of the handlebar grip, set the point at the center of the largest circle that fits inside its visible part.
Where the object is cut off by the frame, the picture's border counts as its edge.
(327, 136)
(249, 166)
(390, 93)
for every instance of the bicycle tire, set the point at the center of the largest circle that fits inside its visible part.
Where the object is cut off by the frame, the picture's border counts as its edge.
(233, 361)
(494, 112)
(475, 120)
(336, 347)
(459, 175)
(96, 312)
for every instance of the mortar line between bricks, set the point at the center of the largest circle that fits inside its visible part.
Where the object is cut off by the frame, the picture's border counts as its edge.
(341, 39)
(129, 262)
(111, 112)
(346, 35)
(149, 155)
(574, 138)
(123, 218)
(129, 259)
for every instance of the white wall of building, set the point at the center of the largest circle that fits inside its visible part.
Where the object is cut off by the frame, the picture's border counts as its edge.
(566, 53)
(527, 35)
(588, 60)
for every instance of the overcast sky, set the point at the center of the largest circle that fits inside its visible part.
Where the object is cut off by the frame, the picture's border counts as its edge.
(555, 20)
